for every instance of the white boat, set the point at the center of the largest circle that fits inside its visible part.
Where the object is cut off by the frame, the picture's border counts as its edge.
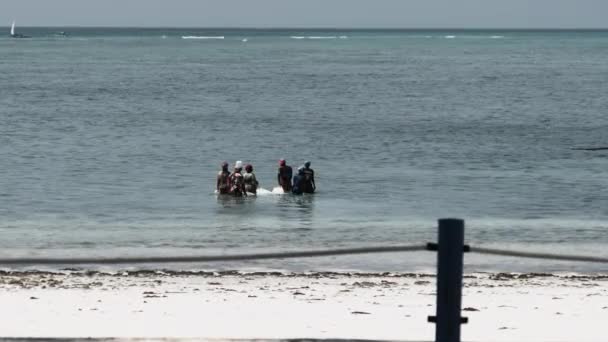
(16, 35)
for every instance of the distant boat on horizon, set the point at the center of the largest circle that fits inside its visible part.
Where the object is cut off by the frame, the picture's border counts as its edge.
(17, 35)
(60, 34)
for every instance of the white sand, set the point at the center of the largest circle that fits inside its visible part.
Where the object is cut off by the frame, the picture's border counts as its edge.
(534, 308)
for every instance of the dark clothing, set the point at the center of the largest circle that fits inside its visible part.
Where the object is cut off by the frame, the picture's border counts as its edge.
(284, 177)
(298, 181)
(223, 182)
(308, 183)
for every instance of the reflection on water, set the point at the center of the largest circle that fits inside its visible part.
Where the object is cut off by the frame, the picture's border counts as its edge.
(296, 208)
(229, 201)
(276, 210)
(303, 202)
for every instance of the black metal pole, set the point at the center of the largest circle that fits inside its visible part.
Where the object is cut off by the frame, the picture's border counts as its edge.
(449, 280)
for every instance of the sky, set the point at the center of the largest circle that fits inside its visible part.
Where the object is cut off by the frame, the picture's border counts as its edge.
(309, 13)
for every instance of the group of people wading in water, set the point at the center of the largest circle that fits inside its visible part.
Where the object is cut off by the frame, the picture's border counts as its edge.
(238, 184)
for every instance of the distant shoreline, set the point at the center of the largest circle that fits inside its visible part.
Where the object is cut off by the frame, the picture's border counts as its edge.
(353, 29)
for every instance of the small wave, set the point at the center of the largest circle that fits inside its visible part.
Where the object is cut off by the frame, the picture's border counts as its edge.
(71, 38)
(497, 37)
(275, 191)
(202, 37)
(244, 40)
(449, 37)
(317, 37)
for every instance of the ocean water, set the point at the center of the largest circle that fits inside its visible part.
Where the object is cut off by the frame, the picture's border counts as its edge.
(110, 141)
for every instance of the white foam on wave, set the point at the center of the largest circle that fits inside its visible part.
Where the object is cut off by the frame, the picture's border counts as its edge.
(318, 37)
(449, 37)
(263, 192)
(497, 37)
(322, 37)
(275, 191)
(202, 37)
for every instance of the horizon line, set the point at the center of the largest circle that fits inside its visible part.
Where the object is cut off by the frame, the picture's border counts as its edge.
(325, 28)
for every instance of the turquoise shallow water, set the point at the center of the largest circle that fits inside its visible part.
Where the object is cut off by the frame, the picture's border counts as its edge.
(110, 140)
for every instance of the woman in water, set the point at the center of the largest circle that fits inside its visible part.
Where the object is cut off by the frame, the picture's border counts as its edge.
(251, 182)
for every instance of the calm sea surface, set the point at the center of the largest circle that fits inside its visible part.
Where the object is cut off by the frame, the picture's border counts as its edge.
(110, 140)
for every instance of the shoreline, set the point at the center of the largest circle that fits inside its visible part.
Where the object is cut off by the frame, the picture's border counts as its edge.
(279, 305)
(75, 272)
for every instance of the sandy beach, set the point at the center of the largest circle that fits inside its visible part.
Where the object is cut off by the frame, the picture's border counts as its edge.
(500, 307)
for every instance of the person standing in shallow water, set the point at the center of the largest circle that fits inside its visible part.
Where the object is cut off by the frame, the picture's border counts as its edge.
(237, 184)
(308, 183)
(222, 185)
(298, 181)
(284, 176)
(251, 183)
